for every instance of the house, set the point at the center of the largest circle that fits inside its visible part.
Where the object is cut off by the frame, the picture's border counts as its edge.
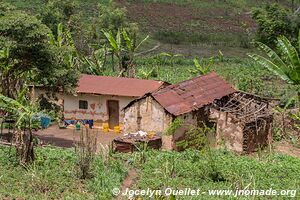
(193, 101)
(101, 98)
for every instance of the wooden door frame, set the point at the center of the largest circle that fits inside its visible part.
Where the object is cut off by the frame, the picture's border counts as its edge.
(107, 109)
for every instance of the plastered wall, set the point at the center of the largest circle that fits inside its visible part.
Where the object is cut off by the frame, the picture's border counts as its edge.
(97, 106)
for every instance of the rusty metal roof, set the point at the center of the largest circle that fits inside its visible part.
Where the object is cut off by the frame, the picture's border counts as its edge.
(119, 86)
(192, 94)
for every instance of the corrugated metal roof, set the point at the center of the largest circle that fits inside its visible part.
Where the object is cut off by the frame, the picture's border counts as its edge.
(119, 86)
(193, 94)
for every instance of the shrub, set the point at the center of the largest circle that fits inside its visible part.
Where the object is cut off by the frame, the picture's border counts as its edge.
(274, 21)
(86, 150)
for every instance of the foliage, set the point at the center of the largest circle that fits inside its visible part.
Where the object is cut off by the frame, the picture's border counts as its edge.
(196, 137)
(124, 53)
(53, 176)
(30, 58)
(285, 63)
(177, 123)
(296, 117)
(24, 39)
(55, 12)
(171, 57)
(274, 21)
(193, 169)
(94, 64)
(201, 68)
(111, 17)
(85, 150)
(23, 109)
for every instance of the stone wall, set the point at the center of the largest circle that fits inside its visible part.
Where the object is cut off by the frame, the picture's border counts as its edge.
(228, 131)
(146, 115)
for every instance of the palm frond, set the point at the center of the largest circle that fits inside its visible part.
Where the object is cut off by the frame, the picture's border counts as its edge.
(289, 52)
(128, 41)
(109, 36)
(273, 55)
(272, 67)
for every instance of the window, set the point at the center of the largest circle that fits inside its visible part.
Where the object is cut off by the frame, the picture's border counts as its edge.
(83, 104)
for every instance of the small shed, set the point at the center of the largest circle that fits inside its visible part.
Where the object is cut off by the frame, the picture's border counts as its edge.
(196, 101)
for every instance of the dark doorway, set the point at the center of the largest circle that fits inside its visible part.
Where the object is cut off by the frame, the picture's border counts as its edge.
(113, 113)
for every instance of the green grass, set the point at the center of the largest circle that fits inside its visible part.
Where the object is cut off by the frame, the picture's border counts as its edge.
(214, 30)
(244, 74)
(218, 170)
(53, 176)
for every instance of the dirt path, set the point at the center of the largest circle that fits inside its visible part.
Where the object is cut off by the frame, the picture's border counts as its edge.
(128, 182)
(287, 148)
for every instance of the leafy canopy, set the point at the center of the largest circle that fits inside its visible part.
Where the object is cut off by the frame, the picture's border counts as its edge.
(29, 57)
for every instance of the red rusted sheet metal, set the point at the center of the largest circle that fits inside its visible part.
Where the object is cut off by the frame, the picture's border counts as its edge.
(193, 94)
(119, 86)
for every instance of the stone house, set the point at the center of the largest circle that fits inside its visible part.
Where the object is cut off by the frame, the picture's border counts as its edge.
(195, 102)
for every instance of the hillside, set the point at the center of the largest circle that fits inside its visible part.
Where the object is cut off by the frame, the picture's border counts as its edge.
(189, 27)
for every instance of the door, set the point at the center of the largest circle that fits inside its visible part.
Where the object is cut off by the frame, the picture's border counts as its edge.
(113, 113)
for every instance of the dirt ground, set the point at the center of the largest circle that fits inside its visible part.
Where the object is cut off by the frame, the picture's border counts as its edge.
(66, 137)
(286, 148)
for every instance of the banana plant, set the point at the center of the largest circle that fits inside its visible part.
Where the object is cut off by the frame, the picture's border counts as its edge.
(115, 43)
(96, 62)
(145, 74)
(121, 44)
(171, 56)
(63, 38)
(202, 67)
(24, 110)
(285, 64)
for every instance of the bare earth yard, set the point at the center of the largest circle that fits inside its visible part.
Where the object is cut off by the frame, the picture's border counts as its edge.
(65, 137)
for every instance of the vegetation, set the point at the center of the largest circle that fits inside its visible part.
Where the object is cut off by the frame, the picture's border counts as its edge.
(49, 43)
(274, 21)
(53, 175)
(195, 169)
(23, 109)
(285, 64)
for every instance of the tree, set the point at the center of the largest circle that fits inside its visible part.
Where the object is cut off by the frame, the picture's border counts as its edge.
(29, 56)
(55, 12)
(111, 19)
(284, 62)
(23, 109)
(274, 21)
(25, 40)
(124, 48)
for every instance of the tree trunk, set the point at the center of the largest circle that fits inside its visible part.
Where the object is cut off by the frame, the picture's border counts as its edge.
(24, 147)
(298, 99)
(112, 62)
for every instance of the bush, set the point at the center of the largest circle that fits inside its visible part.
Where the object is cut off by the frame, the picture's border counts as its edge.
(274, 21)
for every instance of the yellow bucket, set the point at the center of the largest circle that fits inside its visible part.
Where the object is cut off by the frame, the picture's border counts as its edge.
(106, 130)
(150, 134)
(105, 125)
(117, 129)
